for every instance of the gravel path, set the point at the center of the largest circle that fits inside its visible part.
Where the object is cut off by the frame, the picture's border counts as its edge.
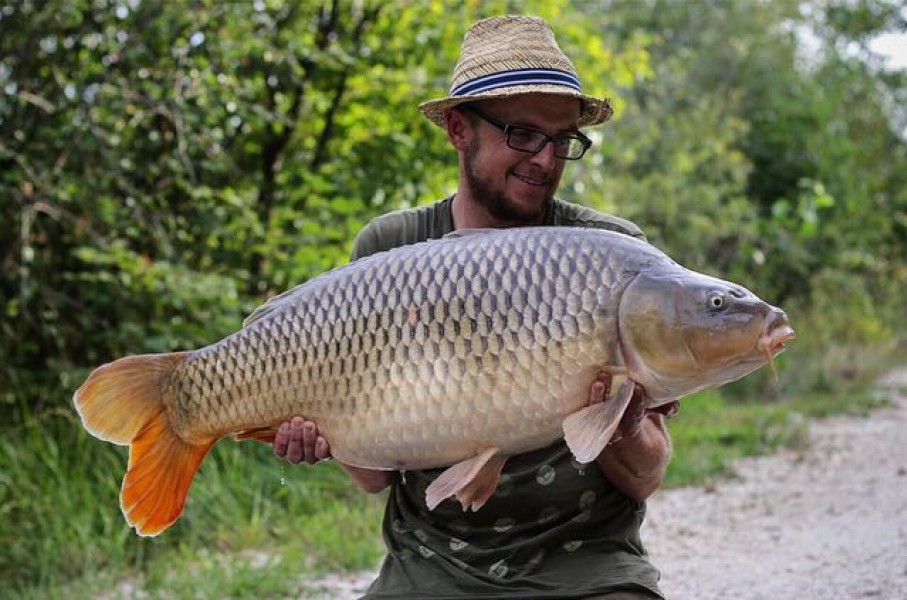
(829, 522)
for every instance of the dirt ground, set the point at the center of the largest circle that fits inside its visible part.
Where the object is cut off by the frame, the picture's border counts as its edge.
(827, 522)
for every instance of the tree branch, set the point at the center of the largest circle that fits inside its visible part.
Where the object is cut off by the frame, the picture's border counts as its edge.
(320, 154)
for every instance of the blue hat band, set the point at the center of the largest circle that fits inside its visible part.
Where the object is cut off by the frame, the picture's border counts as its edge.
(494, 81)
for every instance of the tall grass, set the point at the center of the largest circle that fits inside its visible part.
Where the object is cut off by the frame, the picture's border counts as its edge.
(251, 523)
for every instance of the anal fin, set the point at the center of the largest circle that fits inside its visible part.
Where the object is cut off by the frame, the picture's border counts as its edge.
(481, 488)
(472, 481)
(588, 431)
(264, 435)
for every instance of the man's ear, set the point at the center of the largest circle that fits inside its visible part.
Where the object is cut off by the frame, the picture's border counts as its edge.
(459, 129)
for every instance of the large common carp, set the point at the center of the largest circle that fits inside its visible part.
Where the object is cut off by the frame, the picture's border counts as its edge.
(460, 351)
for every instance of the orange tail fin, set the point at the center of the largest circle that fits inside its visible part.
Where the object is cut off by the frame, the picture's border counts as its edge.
(123, 402)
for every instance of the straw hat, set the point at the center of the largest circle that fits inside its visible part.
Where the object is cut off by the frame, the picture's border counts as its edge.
(511, 55)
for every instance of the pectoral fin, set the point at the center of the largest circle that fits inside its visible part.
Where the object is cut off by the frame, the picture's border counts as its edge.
(589, 430)
(472, 481)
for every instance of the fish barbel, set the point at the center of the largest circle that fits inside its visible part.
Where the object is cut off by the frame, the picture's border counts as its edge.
(455, 352)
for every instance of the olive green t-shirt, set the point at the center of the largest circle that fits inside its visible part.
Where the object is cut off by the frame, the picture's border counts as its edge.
(552, 529)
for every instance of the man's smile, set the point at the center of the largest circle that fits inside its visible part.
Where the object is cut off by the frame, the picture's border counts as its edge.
(540, 182)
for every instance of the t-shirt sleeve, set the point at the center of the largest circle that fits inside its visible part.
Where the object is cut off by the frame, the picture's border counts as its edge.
(402, 227)
(576, 215)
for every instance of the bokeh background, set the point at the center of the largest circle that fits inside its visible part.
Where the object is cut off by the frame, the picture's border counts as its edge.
(165, 167)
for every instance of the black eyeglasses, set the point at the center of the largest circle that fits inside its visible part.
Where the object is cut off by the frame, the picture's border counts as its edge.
(570, 146)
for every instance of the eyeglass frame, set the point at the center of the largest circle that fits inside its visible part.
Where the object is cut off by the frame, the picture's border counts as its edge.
(507, 128)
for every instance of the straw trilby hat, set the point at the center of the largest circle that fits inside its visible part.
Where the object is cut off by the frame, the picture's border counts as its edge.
(511, 55)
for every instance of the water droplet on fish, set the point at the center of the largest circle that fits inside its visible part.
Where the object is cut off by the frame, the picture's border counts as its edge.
(582, 470)
(403, 477)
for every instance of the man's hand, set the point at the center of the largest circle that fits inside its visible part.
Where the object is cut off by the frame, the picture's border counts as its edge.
(635, 459)
(635, 416)
(632, 421)
(298, 440)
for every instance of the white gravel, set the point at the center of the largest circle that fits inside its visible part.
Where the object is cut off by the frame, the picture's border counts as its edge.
(827, 522)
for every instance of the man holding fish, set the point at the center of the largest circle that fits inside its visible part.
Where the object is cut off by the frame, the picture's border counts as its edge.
(554, 527)
(468, 336)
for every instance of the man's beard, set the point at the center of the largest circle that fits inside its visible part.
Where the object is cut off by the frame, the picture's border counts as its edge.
(496, 203)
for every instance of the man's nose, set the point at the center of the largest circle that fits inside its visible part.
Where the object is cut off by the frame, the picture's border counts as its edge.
(545, 157)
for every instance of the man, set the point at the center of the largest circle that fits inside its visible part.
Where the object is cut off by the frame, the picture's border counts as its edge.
(553, 528)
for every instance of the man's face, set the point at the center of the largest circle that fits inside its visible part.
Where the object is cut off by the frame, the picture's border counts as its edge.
(514, 186)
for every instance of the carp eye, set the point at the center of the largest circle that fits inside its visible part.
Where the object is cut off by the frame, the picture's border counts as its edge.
(716, 301)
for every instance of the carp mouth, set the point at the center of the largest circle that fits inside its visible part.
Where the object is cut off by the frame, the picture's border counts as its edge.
(771, 343)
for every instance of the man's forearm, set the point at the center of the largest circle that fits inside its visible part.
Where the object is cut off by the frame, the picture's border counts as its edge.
(636, 465)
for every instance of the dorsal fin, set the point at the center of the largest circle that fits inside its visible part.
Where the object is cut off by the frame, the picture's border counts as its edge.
(280, 301)
(271, 304)
(277, 302)
(458, 233)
